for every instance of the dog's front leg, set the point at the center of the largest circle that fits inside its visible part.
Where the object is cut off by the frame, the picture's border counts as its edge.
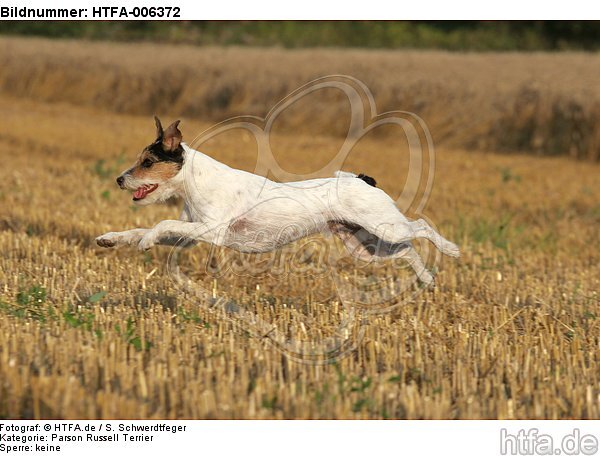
(170, 231)
(129, 237)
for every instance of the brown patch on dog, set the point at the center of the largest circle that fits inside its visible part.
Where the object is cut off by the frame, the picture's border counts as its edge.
(171, 137)
(158, 172)
(240, 225)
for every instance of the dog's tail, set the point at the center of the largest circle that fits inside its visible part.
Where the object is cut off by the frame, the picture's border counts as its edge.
(345, 174)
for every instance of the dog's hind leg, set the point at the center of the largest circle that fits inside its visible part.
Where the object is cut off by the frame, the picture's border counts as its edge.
(365, 246)
(423, 230)
(372, 209)
(413, 258)
(397, 229)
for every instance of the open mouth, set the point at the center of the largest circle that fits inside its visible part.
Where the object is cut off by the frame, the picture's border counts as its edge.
(143, 191)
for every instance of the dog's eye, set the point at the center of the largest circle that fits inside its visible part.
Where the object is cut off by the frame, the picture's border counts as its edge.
(147, 163)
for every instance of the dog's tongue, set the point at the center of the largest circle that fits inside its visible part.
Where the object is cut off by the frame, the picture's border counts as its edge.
(140, 193)
(143, 191)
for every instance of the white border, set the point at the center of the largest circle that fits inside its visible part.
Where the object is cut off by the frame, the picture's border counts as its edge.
(302, 438)
(351, 9)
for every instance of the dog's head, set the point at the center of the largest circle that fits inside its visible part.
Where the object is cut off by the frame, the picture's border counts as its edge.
(154, 176)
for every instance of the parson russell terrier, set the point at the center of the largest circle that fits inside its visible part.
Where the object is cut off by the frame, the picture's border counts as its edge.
(250, 213)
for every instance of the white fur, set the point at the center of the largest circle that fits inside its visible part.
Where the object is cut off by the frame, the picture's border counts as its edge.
(250, 213)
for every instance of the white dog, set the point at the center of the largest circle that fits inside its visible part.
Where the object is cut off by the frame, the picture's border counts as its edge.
(250, 213)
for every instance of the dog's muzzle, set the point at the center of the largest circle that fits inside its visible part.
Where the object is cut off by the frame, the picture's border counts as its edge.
(121, 182)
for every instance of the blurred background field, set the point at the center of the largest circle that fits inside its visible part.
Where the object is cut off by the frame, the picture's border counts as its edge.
(510, 331)
(540, 103)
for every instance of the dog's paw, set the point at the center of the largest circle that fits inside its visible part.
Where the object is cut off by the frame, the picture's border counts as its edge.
(147, 242)
(107, 240)
(451, 249)
(427, 279)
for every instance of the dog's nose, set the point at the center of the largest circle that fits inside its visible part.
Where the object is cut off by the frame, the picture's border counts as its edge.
(120, 181)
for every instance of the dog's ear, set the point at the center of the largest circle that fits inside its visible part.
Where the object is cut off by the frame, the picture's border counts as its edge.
(171, 137)
(159, 128)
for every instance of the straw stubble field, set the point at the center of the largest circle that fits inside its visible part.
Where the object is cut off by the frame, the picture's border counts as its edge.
(510, 330)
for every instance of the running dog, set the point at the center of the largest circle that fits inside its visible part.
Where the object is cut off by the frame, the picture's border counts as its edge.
(250, 213)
